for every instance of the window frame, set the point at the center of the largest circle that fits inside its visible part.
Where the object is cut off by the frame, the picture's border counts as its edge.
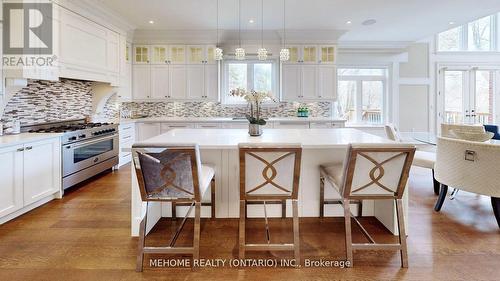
(464, 38)
(250, 79)
(359, 92)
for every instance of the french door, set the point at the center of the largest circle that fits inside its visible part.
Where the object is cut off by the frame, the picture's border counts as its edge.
(468, 95)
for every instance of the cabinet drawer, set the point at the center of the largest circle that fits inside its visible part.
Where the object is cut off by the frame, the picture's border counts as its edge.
(291, 125)
(208, 125)
(165, 127)
(126, 139)
(321, 125)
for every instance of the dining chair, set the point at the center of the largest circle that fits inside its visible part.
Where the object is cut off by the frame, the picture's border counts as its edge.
(447, 129)
(423, 159)
(269, 173)
(172, 173)
(472, 166)
(373, 172)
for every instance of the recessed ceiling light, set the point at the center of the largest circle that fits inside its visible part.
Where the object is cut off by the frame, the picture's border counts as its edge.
(348, 22)
(251, 21)
(151, 22)
(369, 22)
(451, 22)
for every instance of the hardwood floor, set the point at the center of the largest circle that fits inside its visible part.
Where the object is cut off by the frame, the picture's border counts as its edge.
(86, 236)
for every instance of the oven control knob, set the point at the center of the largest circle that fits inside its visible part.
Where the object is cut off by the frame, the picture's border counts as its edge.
(81, 136)
(72, 138)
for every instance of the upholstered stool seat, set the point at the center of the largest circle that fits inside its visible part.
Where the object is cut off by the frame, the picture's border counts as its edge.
(424, 159)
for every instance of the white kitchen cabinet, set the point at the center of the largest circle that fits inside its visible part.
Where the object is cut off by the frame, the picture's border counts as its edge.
(159, 54)
(327, 54)
(41, 179)
(11, 185)
(201, 54)
(30, 176)
(178, 81)
(127, 139)
(327, 82)
(304, 54)
(291, 78)
(147, 130)
(88, 50)
(125, 90)
(202, 82)
(141, 82)
(160, 82)
(165, 127)
(177, 54)
(141, 54)
(291, 125)
(196, 85)
(308, 82)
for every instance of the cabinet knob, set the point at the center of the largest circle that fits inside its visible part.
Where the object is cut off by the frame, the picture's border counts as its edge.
(29, 147)
(20, 149)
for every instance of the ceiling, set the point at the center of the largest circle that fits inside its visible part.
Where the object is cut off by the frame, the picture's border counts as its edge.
(397, 20)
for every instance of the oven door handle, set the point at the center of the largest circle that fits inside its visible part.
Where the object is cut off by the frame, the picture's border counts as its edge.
(80, 144)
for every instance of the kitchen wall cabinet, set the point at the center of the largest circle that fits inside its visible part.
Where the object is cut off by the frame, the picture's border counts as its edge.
(125, 90)
(312, 54)
(160, 81)
(88, 50)
(159, 55)
(308, 82)
(141, 54)
(202, 82)
(177, 54)
(201, 54)
(26, 182)
(141, 82)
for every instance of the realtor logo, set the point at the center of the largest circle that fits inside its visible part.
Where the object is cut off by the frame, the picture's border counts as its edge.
(27, 28)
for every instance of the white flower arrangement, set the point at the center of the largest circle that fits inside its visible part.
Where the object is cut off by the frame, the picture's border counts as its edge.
(254, 100)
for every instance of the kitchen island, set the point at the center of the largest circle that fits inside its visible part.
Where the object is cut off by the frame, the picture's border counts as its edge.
(219, 148)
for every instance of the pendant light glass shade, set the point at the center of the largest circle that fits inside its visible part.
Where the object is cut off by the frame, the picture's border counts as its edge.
(284, 54)
(239, 53)
(218, 54)
(262, 54)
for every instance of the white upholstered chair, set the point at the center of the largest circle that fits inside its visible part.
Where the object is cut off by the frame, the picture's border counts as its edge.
(448, 129)
(470, 166)
(269, 173)
(372, 172)
(172, 173)
(423, 159)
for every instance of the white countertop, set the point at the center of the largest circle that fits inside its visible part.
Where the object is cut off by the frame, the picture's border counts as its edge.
(230, 138)
(9, 140)
(225, 119)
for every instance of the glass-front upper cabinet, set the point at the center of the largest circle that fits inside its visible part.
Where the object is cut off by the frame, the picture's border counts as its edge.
(303, 54)
(328, 54)
(159, 54)
(177, 54)
(200, 54)
(141, 54)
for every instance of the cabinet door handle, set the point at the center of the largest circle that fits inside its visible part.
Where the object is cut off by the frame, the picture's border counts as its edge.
(20, 149)
(29, 147)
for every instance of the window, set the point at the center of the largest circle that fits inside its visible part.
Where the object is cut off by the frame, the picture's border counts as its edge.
(361, 94)
(476, 36)
(248, 75)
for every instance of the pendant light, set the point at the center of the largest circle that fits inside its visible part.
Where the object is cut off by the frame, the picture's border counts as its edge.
(239, 52)
(284, 53)
(218, 51)
(262, 52)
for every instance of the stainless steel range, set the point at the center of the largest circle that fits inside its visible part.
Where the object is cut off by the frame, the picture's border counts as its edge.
(87, 148)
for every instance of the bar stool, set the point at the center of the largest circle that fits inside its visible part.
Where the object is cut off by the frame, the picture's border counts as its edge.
(172, 173)
(269, 173)
(373, 172)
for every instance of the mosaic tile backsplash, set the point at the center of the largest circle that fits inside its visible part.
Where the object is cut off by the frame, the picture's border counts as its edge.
(48, 101)
(213, 109)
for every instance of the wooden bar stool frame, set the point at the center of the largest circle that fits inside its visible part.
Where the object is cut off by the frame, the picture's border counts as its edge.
(246, 198)
(193, 202)
(346, 191)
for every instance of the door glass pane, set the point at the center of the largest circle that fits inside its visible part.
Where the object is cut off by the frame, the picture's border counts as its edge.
(195, 54)
(310, 54)
(484, 97)
(92, 150)
(347, 100)
(211, 54)
(450, 40)
(480, 35)
(453, 96)
(159, 54)
(294, 54)
(262, 76)
(372, 100)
